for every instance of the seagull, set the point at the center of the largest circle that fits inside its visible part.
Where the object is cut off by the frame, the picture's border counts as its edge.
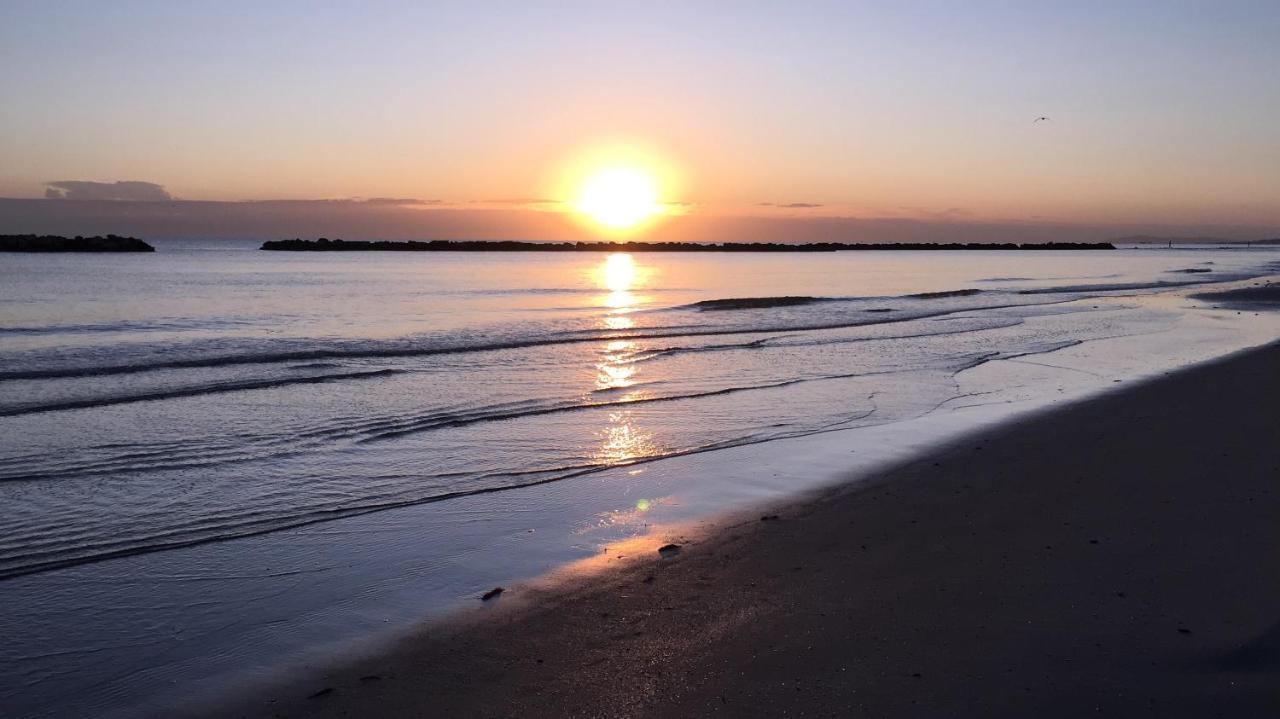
(1038, 119)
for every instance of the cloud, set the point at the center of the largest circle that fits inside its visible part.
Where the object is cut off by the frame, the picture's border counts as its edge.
(789, 206)
(398, 201)
(347, 202)
(518, 201)
(131, 191)
(950, 213)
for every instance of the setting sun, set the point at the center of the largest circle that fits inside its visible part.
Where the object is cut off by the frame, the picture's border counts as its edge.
(619, 198)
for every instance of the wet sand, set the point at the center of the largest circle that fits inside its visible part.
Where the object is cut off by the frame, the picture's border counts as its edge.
(1120, 556)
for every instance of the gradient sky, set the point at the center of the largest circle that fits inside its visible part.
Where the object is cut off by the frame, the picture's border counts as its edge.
(1162, 112)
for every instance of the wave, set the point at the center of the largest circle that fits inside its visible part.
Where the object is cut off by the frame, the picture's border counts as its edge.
(752, 303)
(1050, 279)
(399, 350)
(223, 526)
(410, 347)
(968, 292)
(1257, 295)
(1115, 287)
(146, 458)
(234, 522)
(170, 325)
(216, 388)
(166, 457)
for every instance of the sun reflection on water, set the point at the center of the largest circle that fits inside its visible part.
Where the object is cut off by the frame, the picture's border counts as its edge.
(616, 367)
(620, 275)
(619, 272)
(618, 322)
(621, 441)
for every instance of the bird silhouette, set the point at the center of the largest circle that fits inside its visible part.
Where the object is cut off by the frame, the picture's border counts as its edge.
(1038, 119)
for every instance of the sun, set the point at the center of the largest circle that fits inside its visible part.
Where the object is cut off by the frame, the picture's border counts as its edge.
(619, 198)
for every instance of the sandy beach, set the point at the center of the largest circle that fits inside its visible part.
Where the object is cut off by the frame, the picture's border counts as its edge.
(1115, 557)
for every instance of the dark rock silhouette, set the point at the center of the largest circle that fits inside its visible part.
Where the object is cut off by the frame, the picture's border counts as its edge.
(324, 244)
(54, 243)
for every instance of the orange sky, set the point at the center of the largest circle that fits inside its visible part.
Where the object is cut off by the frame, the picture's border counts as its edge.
(1161, 115)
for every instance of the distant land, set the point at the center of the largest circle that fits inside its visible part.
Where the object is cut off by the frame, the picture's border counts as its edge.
(55, 243)
(326, 245)
(1182, 240)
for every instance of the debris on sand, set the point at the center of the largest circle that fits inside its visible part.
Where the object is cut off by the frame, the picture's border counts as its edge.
(491, 594)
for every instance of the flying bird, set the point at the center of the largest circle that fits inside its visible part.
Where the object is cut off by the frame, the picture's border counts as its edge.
(1038, 119)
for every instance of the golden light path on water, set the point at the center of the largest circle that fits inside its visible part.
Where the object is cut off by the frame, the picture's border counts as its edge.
(621, 440)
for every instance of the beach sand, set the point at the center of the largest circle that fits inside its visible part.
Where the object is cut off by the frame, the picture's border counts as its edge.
(1120, 556)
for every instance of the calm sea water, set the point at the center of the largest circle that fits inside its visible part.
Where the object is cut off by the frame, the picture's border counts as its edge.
(211, 390)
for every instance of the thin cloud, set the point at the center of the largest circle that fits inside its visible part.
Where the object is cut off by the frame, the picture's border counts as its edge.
(338, 202)
(126, 191)
(518, 201)
(948, 214)
(397, 201)
(789, 205)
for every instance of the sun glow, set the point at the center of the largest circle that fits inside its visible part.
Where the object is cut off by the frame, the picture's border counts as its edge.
(619, 198)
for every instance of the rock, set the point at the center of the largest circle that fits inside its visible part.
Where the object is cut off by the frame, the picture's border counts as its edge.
(54, 243)
(668, 550)
(322, 692)
(491, 594)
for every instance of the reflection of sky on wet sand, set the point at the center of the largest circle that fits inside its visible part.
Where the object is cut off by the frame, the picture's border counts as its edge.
(635, 515)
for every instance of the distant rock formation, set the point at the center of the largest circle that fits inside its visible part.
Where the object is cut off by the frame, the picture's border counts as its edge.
(326, 245)
(54, 243)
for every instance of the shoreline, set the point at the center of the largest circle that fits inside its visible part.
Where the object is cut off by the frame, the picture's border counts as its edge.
(785, 601)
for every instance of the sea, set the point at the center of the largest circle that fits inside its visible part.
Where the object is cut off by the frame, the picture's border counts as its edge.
(219, 463)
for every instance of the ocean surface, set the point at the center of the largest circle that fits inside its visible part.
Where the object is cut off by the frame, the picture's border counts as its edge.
(157, 404)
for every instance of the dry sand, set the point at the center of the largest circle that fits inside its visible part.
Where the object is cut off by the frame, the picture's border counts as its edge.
(1121, 557)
